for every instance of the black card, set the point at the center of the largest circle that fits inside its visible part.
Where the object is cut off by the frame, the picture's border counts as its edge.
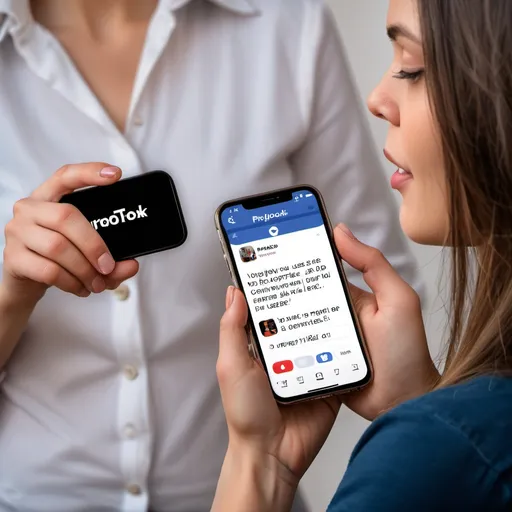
(135, 216)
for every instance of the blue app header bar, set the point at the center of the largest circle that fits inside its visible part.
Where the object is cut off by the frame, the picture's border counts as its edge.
(243, 226)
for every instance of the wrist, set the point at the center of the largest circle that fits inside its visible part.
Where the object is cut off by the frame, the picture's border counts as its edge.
(254, 480)
(15, 311)
(17, 299)
(261, 461)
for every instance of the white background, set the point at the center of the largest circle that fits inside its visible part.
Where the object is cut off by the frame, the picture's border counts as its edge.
(362, 26)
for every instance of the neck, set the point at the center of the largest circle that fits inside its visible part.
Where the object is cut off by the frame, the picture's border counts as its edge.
(97, 17)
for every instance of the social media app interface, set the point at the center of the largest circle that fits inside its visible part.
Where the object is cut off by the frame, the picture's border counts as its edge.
(297, 302)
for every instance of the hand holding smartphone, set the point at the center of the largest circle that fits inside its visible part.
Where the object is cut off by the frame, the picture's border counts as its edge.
(280, 252)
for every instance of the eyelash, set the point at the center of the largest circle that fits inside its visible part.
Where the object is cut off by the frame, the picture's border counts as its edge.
(413, 76)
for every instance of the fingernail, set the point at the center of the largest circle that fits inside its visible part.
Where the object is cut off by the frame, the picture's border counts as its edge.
(98, 284)
(106, 263)
(346, 231)
(230, 296)
(84, 293)
(109, 172)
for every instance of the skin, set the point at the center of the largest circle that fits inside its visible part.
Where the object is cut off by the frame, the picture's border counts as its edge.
(265, 459)
(412, 142)
(104, 38)
(271, 447)
(52, 244)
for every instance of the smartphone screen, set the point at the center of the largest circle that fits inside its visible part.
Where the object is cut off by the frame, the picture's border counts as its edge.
(283, 256)
(135, 216)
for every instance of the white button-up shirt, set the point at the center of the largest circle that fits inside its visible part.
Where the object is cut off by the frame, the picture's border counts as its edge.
(111, 402)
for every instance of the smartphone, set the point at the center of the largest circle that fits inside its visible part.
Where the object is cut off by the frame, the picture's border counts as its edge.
(280, 252)
(135, 216)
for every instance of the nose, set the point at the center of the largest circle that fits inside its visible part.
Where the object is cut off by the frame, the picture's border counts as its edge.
(382, 104)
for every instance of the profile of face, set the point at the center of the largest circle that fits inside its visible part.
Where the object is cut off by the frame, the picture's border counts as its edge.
(413, 142)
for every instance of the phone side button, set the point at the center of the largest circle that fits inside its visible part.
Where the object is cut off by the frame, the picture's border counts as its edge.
(227, 265)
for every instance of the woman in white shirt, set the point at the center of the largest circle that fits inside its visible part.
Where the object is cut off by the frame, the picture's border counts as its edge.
(110, 402)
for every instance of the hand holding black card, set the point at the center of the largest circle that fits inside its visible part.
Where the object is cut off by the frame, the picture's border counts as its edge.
(135, 216)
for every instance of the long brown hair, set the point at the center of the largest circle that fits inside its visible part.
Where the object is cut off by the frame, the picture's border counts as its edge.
(468, 68)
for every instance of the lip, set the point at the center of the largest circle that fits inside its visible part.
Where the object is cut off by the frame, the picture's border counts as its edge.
(393, 161)
(398, 178)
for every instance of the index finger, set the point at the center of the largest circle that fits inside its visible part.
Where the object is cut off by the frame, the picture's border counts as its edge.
(379, 275)
(71, 177)
(67, 220)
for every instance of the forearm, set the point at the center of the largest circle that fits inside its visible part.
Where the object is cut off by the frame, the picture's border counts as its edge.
(14, 316)
(249, 482)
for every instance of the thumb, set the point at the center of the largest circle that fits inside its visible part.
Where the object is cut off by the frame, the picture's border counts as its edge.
(378, 273)
(234, 358)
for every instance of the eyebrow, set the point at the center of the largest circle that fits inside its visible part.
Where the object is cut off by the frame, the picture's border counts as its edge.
(396, 31)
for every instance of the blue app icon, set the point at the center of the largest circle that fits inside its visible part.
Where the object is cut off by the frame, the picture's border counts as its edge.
(324, 357)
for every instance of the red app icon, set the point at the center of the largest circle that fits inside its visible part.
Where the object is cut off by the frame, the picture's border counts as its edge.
(282, 366)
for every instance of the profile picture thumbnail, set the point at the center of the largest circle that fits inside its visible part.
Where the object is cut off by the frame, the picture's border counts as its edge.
(247, 253)
(268, 328)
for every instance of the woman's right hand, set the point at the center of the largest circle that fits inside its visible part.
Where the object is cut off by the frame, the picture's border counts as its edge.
(53, 244)
(393, 327)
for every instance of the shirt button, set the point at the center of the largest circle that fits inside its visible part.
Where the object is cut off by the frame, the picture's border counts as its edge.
(130, 372)
(122, 292)
(134, 489)
(138, 121)
(129, 431)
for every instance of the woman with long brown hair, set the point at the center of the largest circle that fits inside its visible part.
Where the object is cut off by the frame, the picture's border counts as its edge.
(437, 442)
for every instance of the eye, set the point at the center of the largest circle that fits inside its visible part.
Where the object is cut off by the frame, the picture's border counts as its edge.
(412, 76)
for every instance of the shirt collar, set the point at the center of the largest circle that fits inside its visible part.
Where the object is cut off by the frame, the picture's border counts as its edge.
(16, 14)
(246, 7)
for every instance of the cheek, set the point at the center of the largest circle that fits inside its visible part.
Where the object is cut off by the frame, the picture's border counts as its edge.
(424, 212)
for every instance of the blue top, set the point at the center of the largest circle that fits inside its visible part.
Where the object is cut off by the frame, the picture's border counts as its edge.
(448, 450)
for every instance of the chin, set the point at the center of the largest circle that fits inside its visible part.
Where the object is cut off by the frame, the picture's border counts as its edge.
(423, 229)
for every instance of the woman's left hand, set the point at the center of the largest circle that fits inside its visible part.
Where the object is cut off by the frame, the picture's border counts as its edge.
(283, 438)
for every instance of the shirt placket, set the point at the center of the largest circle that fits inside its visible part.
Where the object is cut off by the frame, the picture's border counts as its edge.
(46, 58)
(133, 414)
